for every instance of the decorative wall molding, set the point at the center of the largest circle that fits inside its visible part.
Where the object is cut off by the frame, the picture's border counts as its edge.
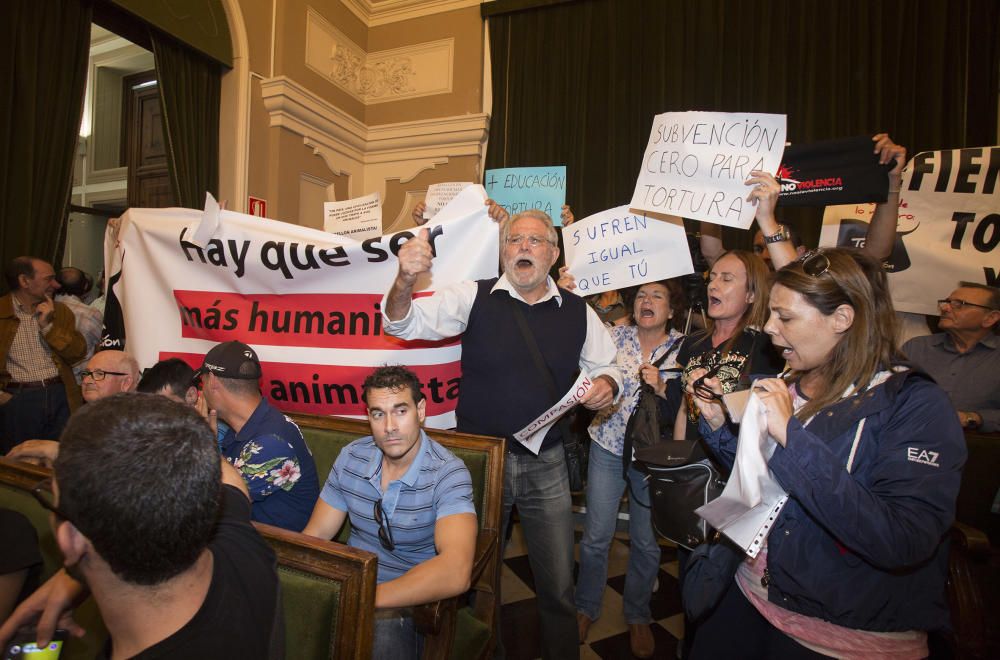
(370, 155)
(383, 12)
(409, 72)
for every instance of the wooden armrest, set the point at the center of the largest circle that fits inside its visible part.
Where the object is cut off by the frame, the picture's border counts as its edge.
(429, 616)
(975, 543)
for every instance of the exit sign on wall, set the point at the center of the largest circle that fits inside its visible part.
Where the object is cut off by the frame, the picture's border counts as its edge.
(257, 207)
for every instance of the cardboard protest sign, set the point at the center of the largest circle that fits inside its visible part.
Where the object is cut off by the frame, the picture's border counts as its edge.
(521, 188)
(832, 172)
(615, 249)
(948, 227)
(696, 163)
(354, 218)
(307, 301)
(439, 194)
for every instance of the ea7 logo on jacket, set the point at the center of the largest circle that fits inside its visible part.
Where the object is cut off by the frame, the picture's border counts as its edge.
(924, 456)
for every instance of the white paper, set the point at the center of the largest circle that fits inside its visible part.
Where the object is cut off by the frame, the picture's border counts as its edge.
(470, 201)
(615, 249)
(439, 194)
(531, 436)
(209, 222)
(696, 163)
(752, 498)
(357, 219)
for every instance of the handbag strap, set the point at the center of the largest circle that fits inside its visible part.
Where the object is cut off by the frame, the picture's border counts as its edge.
(532, 344)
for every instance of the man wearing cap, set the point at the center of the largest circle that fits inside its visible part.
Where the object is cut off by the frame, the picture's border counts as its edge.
(265, 446)
(38, 346)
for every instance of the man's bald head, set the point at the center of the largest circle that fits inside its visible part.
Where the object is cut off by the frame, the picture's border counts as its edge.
(109, 372)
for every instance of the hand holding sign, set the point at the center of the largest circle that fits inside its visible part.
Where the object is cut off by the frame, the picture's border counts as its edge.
(887, 151)
(415, 257)
(601, 395)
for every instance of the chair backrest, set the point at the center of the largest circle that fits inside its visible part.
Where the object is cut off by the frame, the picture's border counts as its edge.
(483, 455)
(328, 594)
(327, 589)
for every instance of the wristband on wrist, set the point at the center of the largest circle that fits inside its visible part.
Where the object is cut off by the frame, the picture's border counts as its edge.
(779, 236)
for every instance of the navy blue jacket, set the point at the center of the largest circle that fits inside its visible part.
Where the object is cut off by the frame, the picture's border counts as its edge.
(866, 549)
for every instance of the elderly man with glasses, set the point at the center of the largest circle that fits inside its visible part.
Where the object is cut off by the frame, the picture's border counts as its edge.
(964, 359)
(409, 501)
(106, 374)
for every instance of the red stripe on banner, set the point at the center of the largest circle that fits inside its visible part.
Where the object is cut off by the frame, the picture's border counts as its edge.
(311, 320)
(324, 389)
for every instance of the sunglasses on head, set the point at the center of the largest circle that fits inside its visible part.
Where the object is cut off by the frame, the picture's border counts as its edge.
(814, 263)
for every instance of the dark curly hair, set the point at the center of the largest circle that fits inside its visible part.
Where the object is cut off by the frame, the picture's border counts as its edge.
(393, 377)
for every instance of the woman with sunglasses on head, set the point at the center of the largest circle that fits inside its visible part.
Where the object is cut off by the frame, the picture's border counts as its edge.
(646, 340)
(870, 454)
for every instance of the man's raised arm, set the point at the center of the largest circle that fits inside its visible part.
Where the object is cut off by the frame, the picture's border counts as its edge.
(415, 258)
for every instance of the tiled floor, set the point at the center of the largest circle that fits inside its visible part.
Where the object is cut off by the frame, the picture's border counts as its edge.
(608, 636)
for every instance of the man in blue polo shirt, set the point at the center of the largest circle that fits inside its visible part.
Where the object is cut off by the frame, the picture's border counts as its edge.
(265, 446)
(409, 501)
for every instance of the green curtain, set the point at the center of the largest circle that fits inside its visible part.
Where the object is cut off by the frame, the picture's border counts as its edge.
(190, 95)
(578, 83)
(43, 75)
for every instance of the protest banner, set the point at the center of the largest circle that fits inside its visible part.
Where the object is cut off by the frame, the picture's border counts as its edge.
(440, 194)
(844, 171)
(521, 188)
(696, 163)
(307, 301)
(948, 226)
(615, 249)
(358, 218)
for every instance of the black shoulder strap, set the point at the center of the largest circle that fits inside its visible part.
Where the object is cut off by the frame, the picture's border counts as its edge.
(532, 344)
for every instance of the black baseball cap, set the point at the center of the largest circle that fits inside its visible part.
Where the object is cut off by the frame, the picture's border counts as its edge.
(232, 359)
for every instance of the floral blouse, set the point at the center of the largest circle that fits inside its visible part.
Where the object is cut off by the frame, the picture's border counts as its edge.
(608, 427)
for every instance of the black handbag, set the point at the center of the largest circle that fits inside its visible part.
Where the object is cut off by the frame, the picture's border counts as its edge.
(677, 488)
(708, 573)
(574, 450)
(644, 428)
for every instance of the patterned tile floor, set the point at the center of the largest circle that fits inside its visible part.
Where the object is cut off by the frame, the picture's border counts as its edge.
(608, 636)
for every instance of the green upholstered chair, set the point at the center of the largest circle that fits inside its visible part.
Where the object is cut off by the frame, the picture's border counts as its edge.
(328, 594)
(327, 589)
(460, 627)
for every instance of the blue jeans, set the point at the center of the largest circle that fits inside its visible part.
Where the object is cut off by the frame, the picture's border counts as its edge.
(605, 486)
(396, 637)
(539, 486)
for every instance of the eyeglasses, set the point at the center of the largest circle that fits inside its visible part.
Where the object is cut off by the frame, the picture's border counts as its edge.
(814, 263)
(701, 389)
(384, 533)
(958, 303)
(43, 493)
(99, 374)
(533, 241)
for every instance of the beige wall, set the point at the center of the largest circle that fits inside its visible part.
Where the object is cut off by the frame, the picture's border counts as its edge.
(305, 136)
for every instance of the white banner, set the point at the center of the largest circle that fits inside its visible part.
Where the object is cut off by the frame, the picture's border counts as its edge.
(532, 435)
(615, 249)
(696, 163)
(307, 301)
(948, 227)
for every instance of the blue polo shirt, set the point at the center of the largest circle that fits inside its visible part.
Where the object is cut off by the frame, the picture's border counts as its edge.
(436, 485)
(271, 454)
